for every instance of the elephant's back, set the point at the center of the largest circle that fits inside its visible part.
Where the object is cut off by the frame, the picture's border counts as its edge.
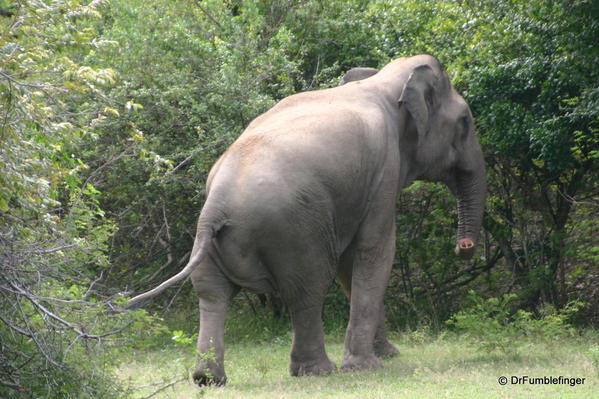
(300, 170)
(275, 189)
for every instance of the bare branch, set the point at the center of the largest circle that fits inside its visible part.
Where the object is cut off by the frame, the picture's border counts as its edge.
(165, 265)
(39, 346)
(15, 327)
(47, 251)
(174, 296)
(106, 164)
(35, 86)
(89, 290)
(54, 316)
(196, 152)
(199, 4)
(168, 385)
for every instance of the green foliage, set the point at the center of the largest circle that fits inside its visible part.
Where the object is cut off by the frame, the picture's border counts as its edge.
(497, 325)
(427, 282)
(528, 106)
(58, 338)
(192, 105)
(183, 339)
(489, 322)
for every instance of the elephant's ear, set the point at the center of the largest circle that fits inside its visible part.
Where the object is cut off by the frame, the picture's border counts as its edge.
(418, 96)
(357, 74)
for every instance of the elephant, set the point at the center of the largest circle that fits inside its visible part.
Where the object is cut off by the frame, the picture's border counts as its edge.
(357, 74)
(307, 194)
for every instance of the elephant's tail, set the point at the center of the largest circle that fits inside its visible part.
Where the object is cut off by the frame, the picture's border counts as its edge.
(199, 252)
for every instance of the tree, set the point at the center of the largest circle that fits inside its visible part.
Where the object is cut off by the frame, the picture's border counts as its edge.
(53, 235)
(537, 109)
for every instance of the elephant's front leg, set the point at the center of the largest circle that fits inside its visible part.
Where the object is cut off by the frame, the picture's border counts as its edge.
(370, 275)
(383, 348)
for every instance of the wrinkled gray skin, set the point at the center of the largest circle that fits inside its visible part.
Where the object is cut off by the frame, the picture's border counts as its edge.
(307, 194)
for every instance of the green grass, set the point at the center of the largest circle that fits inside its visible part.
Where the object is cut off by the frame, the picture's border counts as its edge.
(426, 368)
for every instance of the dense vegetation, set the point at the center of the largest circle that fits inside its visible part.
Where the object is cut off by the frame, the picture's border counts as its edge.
(112, 112)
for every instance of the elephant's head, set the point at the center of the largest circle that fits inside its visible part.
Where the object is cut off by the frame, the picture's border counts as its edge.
(439, 136)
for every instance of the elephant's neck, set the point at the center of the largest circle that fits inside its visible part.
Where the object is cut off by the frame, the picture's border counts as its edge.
(390, 87)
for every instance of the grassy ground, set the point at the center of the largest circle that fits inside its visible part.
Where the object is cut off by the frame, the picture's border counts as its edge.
(426, 368)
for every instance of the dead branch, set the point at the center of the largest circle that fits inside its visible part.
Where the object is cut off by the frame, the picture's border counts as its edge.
(168, 385)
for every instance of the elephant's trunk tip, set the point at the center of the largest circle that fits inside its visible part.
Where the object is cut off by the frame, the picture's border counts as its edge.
(465, 248)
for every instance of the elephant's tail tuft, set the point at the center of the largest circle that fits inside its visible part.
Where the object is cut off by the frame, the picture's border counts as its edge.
(199, 252)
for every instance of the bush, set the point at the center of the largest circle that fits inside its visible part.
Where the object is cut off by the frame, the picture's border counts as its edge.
(57, 339)
(496, 325)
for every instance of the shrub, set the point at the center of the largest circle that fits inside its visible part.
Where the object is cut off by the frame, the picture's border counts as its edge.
(496, 325)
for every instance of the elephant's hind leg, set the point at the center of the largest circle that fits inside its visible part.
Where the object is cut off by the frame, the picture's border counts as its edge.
(215, 292)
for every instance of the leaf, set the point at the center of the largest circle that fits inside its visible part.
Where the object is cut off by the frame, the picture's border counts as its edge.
(132, 106)
(113, 111)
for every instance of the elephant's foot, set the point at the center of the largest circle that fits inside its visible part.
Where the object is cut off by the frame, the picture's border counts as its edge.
(385, 349)
(355, 363)
(315, 367)
(204, 376)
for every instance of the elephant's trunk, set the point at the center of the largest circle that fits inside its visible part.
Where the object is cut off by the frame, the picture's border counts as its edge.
(471, 195)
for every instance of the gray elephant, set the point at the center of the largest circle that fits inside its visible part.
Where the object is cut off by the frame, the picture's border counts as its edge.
(307, 194)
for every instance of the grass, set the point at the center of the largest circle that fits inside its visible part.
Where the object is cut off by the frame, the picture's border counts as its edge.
(444, 367)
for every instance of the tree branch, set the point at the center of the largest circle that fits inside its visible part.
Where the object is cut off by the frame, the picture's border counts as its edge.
(170, 384)
(199, 4)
